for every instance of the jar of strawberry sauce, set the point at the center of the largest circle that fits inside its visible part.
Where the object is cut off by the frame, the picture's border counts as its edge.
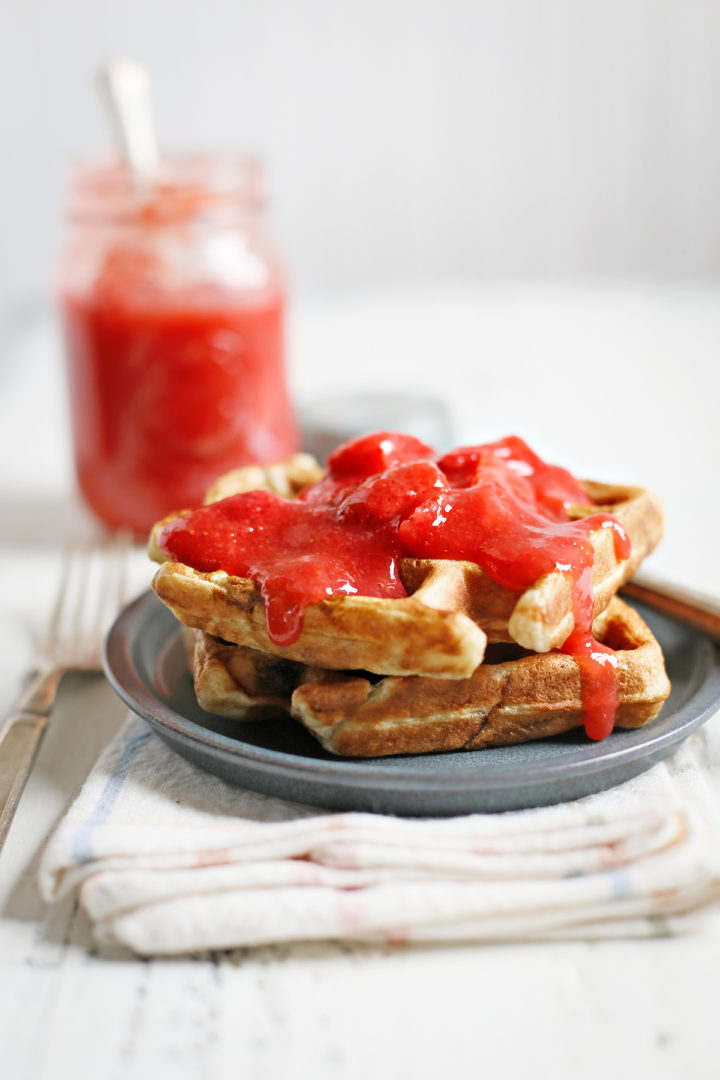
(172, 303)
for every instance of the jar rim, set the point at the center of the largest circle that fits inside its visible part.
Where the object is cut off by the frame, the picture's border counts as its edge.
(203, 185)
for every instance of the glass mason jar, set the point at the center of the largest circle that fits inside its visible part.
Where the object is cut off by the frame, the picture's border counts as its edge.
(172, 304)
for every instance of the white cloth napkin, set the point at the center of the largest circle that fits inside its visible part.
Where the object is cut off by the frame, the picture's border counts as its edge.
(168, 859)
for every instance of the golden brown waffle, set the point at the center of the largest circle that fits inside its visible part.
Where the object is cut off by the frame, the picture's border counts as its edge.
(510, 701)
(286, 478)
(512, 697)
(425, 633)
(440, 629)
(240, 683)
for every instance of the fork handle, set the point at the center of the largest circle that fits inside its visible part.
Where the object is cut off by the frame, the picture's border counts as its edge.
(20, 738)
(22, 734)
(698, 610)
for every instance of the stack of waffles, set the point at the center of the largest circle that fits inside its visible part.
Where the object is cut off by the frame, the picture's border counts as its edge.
(460, 662)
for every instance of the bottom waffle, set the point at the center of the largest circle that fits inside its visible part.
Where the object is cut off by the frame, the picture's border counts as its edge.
(512, 697)
(237, 682)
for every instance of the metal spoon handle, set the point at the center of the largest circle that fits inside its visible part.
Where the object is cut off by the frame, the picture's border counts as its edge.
(695, 609)
(127, 89)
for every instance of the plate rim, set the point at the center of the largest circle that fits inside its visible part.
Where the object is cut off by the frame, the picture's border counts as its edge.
(117, 653)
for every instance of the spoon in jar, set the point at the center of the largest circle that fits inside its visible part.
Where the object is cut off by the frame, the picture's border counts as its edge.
(126, 87)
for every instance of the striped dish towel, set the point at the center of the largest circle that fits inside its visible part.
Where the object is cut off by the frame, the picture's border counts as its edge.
(168, 859)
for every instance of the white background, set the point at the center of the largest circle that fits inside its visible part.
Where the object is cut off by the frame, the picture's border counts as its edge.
(406, 140)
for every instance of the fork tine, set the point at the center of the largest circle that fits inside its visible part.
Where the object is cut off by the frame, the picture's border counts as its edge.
(92, 590)
(112, 585)
(54, 633)
(95, 592)
(124, 547)
(53, 629)
(73, 639)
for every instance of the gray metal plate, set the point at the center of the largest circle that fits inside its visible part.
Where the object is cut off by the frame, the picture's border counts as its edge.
(145, 662)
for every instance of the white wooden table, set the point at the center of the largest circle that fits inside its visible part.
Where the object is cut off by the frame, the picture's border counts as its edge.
(617, 383)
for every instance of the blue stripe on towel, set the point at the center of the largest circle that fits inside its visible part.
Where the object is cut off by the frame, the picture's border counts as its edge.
(619, 884)
(82, 841)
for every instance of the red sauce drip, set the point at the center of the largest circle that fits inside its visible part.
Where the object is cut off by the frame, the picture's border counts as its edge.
(597, 665)
(386, 496)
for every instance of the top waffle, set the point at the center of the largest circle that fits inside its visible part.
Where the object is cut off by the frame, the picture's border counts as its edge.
(452, 609)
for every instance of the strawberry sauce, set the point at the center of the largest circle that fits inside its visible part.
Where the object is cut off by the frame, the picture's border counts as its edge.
(386, 496)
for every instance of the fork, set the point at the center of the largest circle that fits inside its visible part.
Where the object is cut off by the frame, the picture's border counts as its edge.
(92, 589)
